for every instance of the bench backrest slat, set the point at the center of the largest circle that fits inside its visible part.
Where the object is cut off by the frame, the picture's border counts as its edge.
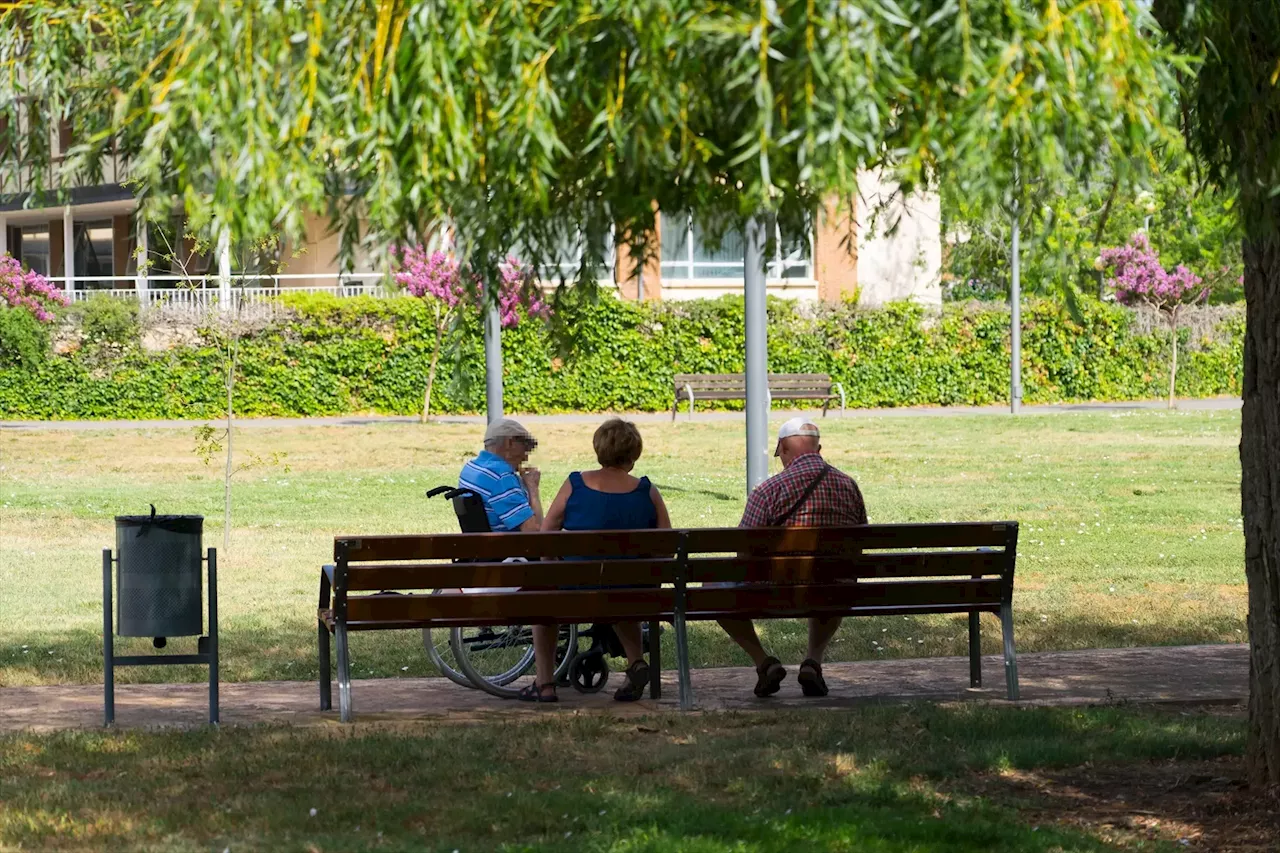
(808, 569)
(736, 382)
(586, 605)
(845, 540)
(816, 597)
(499, 546)
(496, 608)
(495, 574)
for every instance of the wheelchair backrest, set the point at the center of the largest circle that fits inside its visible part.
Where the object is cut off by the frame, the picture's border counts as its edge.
(469, 507)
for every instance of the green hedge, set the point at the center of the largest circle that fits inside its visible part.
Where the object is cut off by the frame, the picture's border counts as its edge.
(341, 356)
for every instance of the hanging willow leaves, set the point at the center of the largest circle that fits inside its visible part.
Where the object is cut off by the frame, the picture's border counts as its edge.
(546, 125)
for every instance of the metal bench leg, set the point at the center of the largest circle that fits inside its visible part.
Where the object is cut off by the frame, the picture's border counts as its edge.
(682, 662)
(975, 650)
(344, 673)
(1010, 656)
(655, 660)
(326, 669)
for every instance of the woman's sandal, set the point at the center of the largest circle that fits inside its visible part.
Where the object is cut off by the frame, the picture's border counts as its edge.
(637, 680)
(533, 693)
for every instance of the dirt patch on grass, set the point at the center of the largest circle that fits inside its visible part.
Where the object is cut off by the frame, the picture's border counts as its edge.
(1201, 805)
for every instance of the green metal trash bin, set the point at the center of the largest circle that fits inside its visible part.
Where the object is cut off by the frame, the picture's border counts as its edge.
(158, 576)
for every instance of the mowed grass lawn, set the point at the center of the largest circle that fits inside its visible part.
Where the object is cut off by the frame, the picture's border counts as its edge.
(1131, 531)
(886, 778)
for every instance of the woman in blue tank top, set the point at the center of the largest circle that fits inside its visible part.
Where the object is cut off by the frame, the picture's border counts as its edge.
(605, 499)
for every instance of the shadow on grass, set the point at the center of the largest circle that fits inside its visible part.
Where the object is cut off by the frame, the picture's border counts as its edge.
(677, 490)
(255, 650)
(869, 779)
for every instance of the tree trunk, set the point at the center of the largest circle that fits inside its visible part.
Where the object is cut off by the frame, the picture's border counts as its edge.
(1260, 499)
(230, 469)
(431, 371)
(1100, 231)
(1173, 364)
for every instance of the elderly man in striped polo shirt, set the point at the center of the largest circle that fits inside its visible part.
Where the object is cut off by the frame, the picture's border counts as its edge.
(807, 493)
(510, 493)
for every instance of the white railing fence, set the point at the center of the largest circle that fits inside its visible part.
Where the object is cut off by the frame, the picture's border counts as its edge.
(245, 288)
(205, 291)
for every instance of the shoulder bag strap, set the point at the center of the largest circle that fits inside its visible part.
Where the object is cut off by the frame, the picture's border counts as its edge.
(808, 492)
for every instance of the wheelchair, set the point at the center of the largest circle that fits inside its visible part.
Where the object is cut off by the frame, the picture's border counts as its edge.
(493, 658)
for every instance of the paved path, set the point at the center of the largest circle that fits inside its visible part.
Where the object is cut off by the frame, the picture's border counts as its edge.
(1187, 674)
(1212, 404)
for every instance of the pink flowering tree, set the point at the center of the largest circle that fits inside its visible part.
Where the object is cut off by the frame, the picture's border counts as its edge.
(438, 279)
(1137, 277)
(28, 289)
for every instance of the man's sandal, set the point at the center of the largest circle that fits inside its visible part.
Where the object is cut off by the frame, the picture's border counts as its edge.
(769, 675)
(811, 681)
(637, 680)
(533, 693)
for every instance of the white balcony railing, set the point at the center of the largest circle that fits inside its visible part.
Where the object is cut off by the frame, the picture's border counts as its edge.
(204, 291)
(245, 288)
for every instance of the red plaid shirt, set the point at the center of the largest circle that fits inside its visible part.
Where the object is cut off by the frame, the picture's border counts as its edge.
(836, 502)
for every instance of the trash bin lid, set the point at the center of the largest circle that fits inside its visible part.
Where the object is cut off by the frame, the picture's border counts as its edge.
(170, 523)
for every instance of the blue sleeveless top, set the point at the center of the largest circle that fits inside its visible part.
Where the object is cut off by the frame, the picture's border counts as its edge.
(588, 509)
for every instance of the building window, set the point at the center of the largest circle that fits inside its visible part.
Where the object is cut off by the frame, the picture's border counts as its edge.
(565, 262)
(93, 254)
(688, 254)
(35, 248)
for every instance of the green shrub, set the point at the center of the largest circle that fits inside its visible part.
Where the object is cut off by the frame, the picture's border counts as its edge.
(24, 340)
(339, 356)
(107, 320)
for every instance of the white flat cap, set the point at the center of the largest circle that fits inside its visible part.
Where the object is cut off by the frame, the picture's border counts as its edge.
(795, 426)
(507, 428)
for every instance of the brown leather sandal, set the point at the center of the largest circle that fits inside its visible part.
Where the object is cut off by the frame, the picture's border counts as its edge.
(637, 681)
(533, 693)
(769, 675)
(811, 681)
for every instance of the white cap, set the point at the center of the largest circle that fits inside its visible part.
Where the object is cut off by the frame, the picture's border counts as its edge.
(795, 426)
(507, 428)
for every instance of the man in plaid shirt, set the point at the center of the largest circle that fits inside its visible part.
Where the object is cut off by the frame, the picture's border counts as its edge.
(807, 493)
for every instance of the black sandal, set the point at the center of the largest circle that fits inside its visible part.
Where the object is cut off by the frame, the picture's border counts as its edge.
(811, 681)
(637, 680)
(769, 675)
(533, 693)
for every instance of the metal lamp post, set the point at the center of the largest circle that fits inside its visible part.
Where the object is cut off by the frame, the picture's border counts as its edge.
(757, 354)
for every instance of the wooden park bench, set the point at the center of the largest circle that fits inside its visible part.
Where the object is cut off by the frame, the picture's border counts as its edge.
(873, 570)
(733, 386)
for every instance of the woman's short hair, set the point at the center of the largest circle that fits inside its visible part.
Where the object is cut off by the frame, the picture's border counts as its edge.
(617, 443)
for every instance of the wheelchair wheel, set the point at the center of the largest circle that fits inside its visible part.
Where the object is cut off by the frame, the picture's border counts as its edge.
(492, 658)
(440, 650)
(589, 672)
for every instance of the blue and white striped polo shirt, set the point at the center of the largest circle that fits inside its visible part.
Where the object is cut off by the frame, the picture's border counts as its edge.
(505, 501)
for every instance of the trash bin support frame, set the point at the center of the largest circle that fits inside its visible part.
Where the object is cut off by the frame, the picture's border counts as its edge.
(209, 644)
